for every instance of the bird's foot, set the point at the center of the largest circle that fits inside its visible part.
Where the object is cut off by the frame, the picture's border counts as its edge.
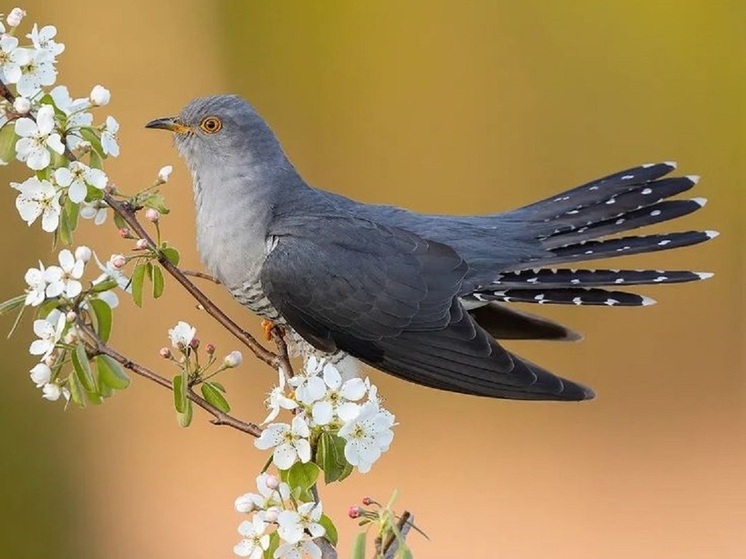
(268, 326)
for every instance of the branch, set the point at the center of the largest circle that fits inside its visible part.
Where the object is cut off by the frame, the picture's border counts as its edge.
(98, 347)
(201, 275)
(391, 545)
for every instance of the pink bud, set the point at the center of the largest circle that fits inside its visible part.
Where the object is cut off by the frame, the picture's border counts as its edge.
(194, 344)
(367, 501)
(152, 215)
(210, 349)
(22, 105)
(118, 261)
(165, 353)
(141, 244)
(15, 17)
(124, 233)
(354, 511)
(272, 481)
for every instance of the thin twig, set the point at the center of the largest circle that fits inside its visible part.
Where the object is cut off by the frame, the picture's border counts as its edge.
(201, 275)
(283, 357)
(98, 347)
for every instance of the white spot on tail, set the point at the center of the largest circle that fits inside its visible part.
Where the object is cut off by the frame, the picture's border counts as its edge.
(712, 234)
(577, 301)
(664, 242)
(700, 201)
(693, 178)
(655, 213)
(647, 301)
(704, 275)
(646, 191)
(671, 164)
(628, 177)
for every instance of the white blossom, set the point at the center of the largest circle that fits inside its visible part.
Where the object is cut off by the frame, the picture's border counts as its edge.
(108, 297)
(110, 272)
(293, 524)
(76, 179)
(41, 374)
(38, 198)
(49, 332)
(290, 442)
(37, 286)
(233, 359)
(309, 386)
(51, 392)
(182, 334)
(367, 436)
(15, 17)
(109, 139)
(164, 173)
(22, 105)
(37, 138)
(100, 96)
(38, 71)
(299, 550)
(339, 398)
(65, 279)
(76, 115)
(43, 39)
(267, 498)
(255, 540)
(277, 400)
(95, 210)
(83, 253)
(11, 58)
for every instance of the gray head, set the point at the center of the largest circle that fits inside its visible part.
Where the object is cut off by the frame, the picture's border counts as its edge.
(220, 131)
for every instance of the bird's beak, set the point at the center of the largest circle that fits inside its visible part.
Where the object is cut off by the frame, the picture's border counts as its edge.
(169, 123)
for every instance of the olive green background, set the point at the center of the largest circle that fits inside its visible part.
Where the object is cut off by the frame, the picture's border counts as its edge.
(459, 107)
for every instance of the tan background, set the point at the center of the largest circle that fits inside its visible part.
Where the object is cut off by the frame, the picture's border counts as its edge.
(446, 107)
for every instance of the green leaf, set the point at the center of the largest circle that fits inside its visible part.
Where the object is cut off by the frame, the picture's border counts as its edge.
(185, 418)
(218, 386)
(404, 553)
(119, 221)
(91, 136)
(82, 369)
(158, 282)
(213, 396)
(358, 546)
(274, 543)
(331, 529)
(12, 304)
(138, 278)
(171, 254)
(64, 232)
(111, 373)
(156, 201)
(94, 397)
(95, 160)
(103, 315)
(77, 394)
(8, 140)
(180, 392)
(72, 210)
(303, 476)
(105, 285)
(330, 456)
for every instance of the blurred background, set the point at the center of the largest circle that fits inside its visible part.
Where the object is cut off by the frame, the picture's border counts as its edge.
(459, 107)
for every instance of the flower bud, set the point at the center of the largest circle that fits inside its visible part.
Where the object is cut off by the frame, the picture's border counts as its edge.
(244, 503)
(41, 374)
(194, 344)
(354, 511)
(367, 501)
(15, 17)
(51, 392)
(70, 316)
(118, 261)
(233, 359)
(164, 173)
(100, 96)
(22, 105)
(152, 215)
(141, 244)
(83, 253)
(272, 481)
(124, 232)
(165, 353)
(71, 337)
(50, 361)
(210, 349)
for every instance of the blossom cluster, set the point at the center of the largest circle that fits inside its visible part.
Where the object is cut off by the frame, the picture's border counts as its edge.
(322, 402)
(52, 131)
(297, 523)
(58, 292)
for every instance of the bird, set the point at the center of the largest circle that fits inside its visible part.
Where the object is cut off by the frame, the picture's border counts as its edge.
(423, 297)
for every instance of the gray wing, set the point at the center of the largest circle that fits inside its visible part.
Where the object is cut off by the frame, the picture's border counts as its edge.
(390, 298)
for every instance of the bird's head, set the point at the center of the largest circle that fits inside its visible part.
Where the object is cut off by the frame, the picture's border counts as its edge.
(222, 130)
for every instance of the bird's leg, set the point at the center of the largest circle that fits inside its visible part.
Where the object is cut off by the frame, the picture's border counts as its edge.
(268, 326)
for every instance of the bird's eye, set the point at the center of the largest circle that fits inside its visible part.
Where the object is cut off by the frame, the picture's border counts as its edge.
(211, 124)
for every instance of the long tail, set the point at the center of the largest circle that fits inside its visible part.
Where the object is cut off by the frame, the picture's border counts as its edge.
(575, 226)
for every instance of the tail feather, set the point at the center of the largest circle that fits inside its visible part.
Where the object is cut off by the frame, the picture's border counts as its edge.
(566, 296)
(553, 278)
(603, 189)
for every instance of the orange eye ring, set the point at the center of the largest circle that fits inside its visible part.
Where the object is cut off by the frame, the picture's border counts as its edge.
(211, 124)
